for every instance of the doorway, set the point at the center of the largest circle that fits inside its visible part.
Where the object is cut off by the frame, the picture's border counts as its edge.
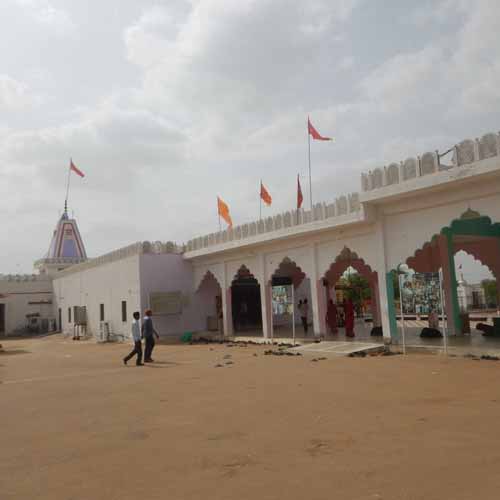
(2, 320)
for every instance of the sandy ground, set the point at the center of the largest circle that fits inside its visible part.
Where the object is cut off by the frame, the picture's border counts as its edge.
(78, 425)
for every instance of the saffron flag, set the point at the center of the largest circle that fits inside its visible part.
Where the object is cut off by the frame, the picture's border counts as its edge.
(300, 198)
(223, 211)
(264, 194)
(315, 134)
(75, 169)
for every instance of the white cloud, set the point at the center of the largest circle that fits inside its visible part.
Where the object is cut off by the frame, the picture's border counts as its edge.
(15, 95)
(212, 95)
(46, 15)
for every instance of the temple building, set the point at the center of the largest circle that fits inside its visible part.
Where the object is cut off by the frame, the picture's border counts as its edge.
(26, 301)
(415, 214)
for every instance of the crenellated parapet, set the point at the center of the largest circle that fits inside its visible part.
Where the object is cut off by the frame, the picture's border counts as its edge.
(465, 153)
(342, 206)
(139, 248)
(23, 277)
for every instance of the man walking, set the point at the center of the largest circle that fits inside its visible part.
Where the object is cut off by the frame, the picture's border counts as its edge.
(136, 337)
(148, 332)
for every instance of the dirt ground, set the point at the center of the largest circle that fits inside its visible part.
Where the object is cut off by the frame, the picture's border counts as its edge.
(78, 425)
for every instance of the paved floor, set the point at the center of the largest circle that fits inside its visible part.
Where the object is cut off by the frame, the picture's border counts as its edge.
(337, 348)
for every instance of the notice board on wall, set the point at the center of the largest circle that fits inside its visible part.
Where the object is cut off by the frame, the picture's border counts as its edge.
(165, 302)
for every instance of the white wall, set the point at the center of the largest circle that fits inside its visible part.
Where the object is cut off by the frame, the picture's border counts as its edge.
(108, 284)
(16, 295)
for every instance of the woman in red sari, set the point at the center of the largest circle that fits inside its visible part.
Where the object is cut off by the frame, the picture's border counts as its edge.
(331, 316)
(349, 318)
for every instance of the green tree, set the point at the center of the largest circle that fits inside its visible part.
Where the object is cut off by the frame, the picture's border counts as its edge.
(358, 288)
(490, 292)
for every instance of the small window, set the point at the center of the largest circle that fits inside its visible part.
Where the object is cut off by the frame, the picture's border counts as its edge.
(124, 311)
(69, 314)
(101, 310)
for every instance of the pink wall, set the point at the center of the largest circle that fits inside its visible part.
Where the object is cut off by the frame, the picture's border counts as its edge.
(170, 273)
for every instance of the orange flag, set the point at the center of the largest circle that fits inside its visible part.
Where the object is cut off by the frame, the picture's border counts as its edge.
(264, 194)
(223, 210)
(300, 198)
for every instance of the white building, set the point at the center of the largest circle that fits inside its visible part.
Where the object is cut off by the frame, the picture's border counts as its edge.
(418, 212)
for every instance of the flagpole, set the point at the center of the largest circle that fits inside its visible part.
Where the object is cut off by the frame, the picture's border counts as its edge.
(260, 201)
(298, 208)
(310, 181)
(67, 188)
(218, 214)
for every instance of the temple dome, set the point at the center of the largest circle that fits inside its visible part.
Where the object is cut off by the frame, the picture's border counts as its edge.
(66, 247)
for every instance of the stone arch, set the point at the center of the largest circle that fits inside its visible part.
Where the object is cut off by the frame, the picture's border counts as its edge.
(288, 268)
(246, 307)
(206, 278)
(345, 260)
(207, 275)
(208, 301)
(472, 232)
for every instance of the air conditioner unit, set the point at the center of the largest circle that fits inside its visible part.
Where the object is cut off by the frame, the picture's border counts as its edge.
(103, 331)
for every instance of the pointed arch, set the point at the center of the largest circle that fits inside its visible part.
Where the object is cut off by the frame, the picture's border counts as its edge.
(288, 268)
(207, 277)
(470, 223)
(347, 258)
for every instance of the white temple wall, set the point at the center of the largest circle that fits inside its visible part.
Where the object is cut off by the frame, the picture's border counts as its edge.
(108, 284)
(16, 297)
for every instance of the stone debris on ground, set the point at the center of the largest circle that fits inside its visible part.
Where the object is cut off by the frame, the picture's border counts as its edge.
(281, 352)
(319, 359)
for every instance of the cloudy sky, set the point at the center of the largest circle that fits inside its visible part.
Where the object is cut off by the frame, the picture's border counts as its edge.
(165, 104)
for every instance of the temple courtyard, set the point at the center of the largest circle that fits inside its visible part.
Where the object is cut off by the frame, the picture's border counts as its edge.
(219, 422)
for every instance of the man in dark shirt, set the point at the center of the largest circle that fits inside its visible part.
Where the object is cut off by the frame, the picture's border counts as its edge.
(148, 332)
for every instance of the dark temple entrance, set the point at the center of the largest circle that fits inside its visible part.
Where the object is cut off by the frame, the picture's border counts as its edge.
(2, 320)
(245, 302)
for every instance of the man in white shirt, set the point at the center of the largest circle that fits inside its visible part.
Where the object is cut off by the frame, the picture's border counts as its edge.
(136, 338)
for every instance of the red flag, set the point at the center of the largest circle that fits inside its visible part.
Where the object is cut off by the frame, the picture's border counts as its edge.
(300, 198)
(264, 194)
(223, 211)
(76, 170)
(314, 133)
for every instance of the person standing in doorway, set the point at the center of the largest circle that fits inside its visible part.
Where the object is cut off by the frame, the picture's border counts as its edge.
(349, 318)
(136, 338)
(149, 333)
(304, 312)
(331, 317)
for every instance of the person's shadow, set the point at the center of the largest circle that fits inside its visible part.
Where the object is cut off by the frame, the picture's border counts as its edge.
(161, 364)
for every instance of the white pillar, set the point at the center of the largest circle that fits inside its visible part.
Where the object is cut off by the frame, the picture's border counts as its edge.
(265, 297)
(382, 277)
(318, 325)
(227, 313)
